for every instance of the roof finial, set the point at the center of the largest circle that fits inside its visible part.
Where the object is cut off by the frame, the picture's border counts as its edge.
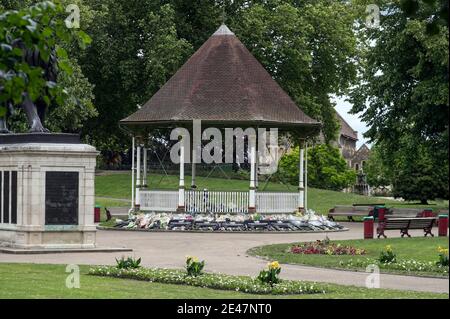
(224, 14)
(223, 30)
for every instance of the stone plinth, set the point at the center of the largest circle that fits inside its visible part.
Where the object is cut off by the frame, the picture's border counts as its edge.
(47, 192)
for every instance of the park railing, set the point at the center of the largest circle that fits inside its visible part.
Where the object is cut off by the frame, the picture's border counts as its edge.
(203, 201)
(155, 200)
(220, 202)
(276, 202)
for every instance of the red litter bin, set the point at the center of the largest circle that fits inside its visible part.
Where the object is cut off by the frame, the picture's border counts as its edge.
(368, 227)
(380, 212)
(428, 213)
(443, 225)
(97, 214)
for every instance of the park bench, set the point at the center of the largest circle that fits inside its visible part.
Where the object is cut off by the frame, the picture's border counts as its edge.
(405, 212)
(117, 212)
(350, 211)
(371, 205)
(405, 224)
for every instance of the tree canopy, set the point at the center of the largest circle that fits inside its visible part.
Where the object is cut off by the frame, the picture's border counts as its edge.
(402, 94)
(327, 169)
(307, 46)
(396, 75)
(40, 26)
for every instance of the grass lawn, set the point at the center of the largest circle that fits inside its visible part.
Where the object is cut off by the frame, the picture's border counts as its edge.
(118, 186)
(417, 248)
(110, 202)
(48, 281)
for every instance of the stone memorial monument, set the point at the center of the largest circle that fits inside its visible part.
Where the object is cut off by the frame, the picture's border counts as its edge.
(47, 191)
(46, 180)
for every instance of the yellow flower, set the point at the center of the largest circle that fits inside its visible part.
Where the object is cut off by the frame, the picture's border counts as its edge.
(388, 248)
(443, 251)
(274, 265)
(192, 259)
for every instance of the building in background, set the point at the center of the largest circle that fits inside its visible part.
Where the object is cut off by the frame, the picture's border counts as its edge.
(346, 143)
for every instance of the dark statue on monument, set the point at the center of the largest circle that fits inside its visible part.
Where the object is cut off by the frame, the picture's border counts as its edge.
(35, 111)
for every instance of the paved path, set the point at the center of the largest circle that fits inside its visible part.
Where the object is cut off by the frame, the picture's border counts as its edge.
(226, 253)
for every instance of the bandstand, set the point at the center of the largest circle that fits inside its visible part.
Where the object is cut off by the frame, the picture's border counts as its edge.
(222, 85)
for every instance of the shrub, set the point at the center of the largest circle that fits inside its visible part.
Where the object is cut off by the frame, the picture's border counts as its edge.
(387, 255)
(193, 266)
(128, 263)
(270, 276)
(443, 257)
(327, 169)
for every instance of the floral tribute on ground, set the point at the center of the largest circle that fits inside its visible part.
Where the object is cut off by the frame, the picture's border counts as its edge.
(309, 221)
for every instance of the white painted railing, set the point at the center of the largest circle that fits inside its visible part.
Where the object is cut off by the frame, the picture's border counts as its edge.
(198, 201)
(154, 200)
(276, 202)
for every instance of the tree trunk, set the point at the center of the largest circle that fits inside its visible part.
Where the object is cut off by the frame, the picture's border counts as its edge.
(424, 201)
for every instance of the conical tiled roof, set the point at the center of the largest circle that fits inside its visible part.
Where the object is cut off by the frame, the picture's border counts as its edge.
(222, 83)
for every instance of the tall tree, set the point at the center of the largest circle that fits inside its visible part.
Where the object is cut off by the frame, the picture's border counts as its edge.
(135, 50)
(308, 47)
(40, 26)
(76, 98)
(378, 174)
(418, 174)
(403, 90)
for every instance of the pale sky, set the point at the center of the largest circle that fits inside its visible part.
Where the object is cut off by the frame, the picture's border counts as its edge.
(342, 107)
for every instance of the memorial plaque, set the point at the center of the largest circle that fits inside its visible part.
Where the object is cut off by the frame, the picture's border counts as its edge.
(61, 198)
(6, 197)
(13, 197)
(1, 197)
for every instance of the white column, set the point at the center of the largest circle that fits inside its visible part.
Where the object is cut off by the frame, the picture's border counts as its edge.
(306, 177)
(2, 186)
(257, 171)
(252, 190)
(132, 174)
(180, 207)
(194, 154)
(138, 176)
(301, 182)
(144, 175)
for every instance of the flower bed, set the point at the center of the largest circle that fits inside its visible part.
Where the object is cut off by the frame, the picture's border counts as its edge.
(208, 280)
(325, 248)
